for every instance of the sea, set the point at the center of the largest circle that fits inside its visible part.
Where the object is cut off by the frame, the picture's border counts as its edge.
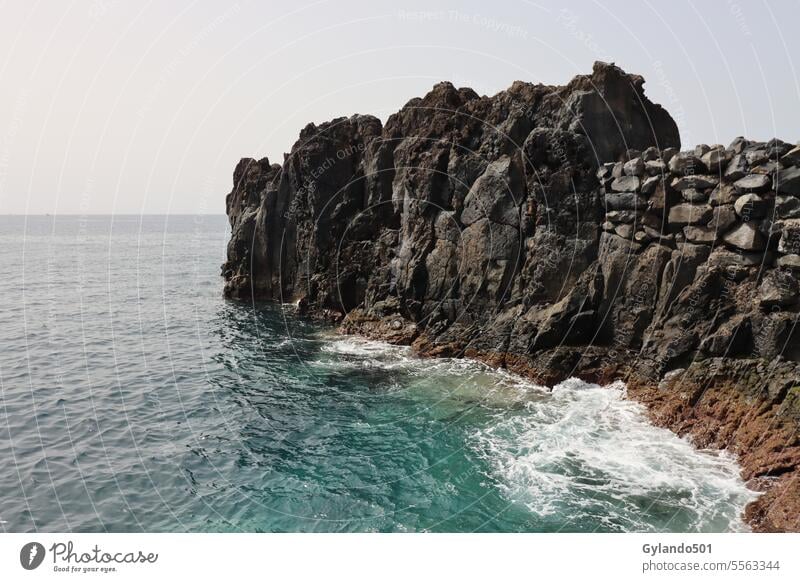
(135, 398)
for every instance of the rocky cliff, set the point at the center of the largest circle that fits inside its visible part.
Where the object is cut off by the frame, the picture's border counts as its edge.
(557, 231)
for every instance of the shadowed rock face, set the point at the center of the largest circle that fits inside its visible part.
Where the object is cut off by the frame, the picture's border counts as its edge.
(555, 231)
(359, 213)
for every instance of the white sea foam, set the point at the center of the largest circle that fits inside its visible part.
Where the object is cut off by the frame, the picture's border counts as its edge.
(587, 445)
(579, 449)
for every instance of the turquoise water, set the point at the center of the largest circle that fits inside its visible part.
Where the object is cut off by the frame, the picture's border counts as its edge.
(135, 398)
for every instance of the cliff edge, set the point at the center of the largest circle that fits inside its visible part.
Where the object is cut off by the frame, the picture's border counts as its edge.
(556, 231)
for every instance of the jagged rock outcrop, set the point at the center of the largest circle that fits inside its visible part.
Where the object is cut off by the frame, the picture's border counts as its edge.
(555, 231)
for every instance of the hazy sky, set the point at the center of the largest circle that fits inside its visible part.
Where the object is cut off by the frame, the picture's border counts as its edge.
(116, 106)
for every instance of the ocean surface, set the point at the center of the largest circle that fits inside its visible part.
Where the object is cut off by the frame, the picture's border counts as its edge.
(133, 397)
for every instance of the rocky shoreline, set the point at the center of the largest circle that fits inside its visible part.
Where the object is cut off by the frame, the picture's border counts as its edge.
(555, 231)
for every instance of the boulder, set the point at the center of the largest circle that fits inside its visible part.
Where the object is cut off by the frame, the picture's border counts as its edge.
(655, 168)
(736, 168)
(686, 163)
(624, 230)
(787, 207)
(716, 160)
(722, 218)
(746, 236)
(790, 237)
(625, 201)
(625, 184)
(750, 206)
(655, 233)
(756, 157)
(738, 144)
(604, 173)
(698, 182)
(726, 259)
(778, 289)
(693, 195)
(777, 148)
(634, 167)
(649, 185)
(689, 214)
(769, 168)
(787, 181)
(701, 149)
(723, 194)
(792, 157)
(789, 262)
(700, 234)
(663, 197)
(752, 183)
(650, 154)
(668, 153)
(622, 216)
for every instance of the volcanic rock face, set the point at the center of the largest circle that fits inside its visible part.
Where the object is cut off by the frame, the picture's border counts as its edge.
(556, 231)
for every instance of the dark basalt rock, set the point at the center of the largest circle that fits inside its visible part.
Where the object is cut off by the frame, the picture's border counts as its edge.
(542, 229)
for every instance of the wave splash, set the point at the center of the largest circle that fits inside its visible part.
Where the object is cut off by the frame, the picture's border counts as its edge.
(580, 456)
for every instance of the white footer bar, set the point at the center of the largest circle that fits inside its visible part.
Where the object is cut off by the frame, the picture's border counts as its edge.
(379, 557)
